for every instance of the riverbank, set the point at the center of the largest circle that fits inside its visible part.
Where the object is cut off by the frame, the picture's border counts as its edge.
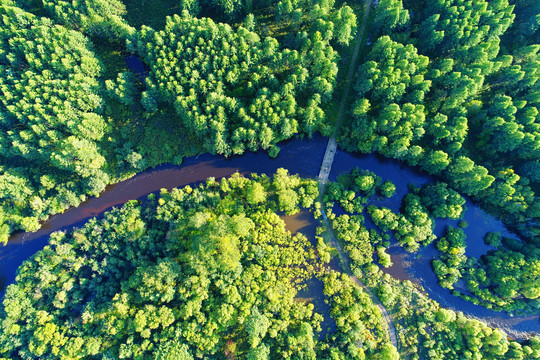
(299, 156)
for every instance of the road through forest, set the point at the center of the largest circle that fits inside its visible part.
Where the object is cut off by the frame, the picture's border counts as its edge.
(326, 166)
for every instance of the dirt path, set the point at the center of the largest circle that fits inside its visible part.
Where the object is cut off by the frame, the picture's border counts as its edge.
(332, 144)
(344, 260)
(325, 172)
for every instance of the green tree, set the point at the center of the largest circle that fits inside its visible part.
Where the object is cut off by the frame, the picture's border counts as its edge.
(256, 327)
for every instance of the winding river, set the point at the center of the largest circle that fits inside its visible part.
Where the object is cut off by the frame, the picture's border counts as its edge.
(301, 157)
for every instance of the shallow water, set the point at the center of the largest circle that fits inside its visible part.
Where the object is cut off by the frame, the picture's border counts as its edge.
(303, 222)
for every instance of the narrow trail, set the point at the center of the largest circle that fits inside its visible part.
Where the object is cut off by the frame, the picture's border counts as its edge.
(332, 143)
(326, 166)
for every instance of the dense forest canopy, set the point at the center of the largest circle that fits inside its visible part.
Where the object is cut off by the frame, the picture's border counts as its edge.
(201, 272)
(74, 119)
(443, 88)
(453, 88)
(450, 86)
(50, 119)
(212, 272)
(426, 330)
(237, 92)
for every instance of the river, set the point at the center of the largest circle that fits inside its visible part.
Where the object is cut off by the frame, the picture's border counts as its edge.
(301, 157)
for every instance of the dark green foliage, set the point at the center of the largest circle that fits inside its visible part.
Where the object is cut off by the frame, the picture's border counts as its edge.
(449, 265)
(124, 89)
(389, 112)
(344, 21)
(212, 272)
(72, 124)
(492, 238)
(390, 17)
(449, 26)
(469, 112)
(526, 24)
(102, 18)
(428, 331)
(238, 92)
(362, 181)
(50, 120)
(354, 189)
(506, 278)
(473, 118)
(412, 228)
(441, 201)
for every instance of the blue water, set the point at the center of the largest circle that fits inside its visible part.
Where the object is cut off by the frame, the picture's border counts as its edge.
(417, 267)
(303, 157)
(136, 66)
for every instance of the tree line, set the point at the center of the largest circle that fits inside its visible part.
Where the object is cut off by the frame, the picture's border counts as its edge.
(74, 118)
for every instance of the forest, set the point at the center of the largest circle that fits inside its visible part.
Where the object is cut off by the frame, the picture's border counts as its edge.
(453, 88)
(200, 272)
(427, 330)
(212, 272)
(449, 87)
(74, 119)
